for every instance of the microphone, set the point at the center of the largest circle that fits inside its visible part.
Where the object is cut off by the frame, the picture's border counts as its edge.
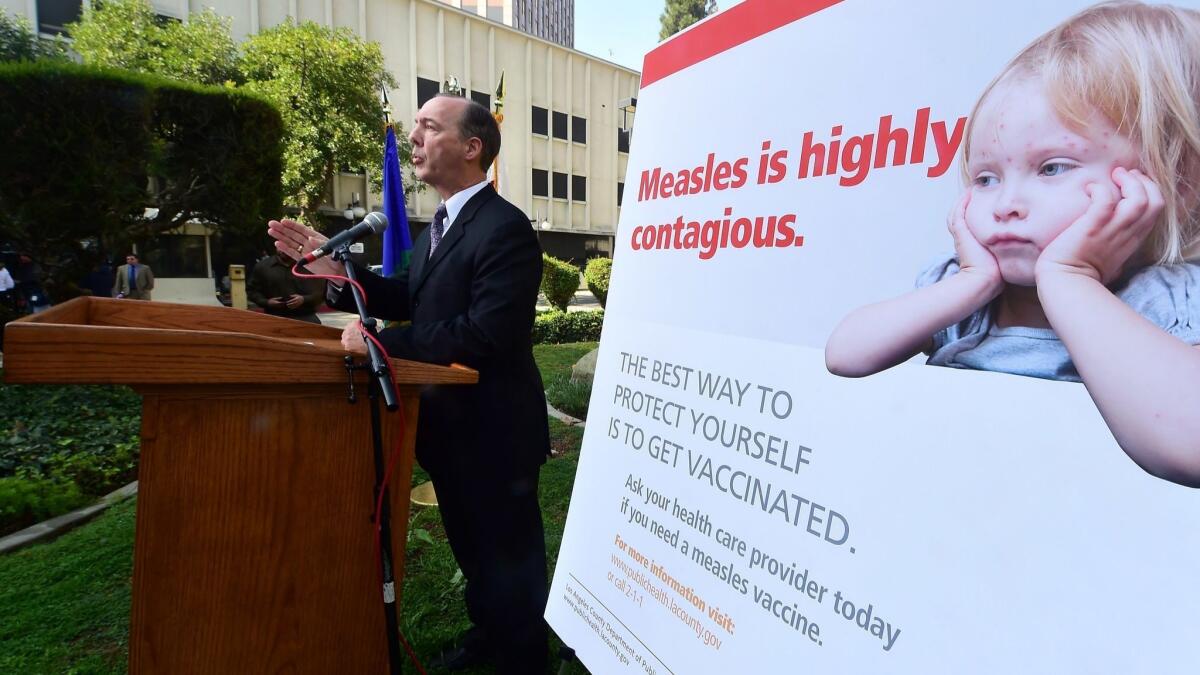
(374, 223)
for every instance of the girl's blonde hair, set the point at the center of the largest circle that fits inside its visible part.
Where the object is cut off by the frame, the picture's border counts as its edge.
(1138, 65)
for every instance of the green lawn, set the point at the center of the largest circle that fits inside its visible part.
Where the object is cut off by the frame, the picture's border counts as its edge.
(66, 603)
(556, 360)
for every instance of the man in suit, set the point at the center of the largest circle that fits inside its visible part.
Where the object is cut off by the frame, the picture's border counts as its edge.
(470, 294)
(134, 280)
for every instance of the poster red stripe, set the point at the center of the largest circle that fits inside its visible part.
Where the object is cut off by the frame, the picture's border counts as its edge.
(740, 23)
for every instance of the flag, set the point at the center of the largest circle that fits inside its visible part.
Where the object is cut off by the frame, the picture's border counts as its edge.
(397, 243)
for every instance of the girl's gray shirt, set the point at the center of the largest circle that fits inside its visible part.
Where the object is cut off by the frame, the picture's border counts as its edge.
(1167, 295)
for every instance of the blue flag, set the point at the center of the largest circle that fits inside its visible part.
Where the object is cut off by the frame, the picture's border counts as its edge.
(397, 243)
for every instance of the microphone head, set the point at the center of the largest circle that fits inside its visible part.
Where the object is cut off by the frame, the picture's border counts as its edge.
(376, 221)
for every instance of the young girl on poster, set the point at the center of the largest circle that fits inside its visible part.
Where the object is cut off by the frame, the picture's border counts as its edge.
(1083, 168)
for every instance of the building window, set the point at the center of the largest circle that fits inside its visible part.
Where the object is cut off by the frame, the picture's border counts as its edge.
(623, 140)
(54, 14)
(541, 180)
(560, 185)
(620, 192)
(482, 99)
(495, 10)
(541, 118)
(578, 129)
(560, 125)
(579, 188)
(426, 89)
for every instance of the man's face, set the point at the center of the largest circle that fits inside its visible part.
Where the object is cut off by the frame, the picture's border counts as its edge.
(1029, 172)
(131, 260)
(439, 154)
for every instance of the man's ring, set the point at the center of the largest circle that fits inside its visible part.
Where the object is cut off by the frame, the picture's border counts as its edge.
(300, 248)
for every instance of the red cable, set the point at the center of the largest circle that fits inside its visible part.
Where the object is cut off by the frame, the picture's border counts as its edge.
(391, 463)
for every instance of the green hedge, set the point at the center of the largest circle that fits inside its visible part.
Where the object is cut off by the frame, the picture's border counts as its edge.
(555, 327)
(560, 280)
(596, 274)
(81, 145)
(63, 446)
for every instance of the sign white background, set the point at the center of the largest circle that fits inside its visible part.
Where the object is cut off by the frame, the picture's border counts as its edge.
(994, 520)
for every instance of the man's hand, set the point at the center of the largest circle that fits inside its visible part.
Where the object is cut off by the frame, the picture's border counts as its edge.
(1101, 241)
(974, 260)
(274, 303)
(295, 241)
(293, 301)
(352, 338)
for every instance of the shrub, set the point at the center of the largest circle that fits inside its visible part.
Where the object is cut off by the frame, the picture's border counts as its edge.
(63, 445)
(25, 500)
(76, 162)
(570, 396)
(560, 280)
(555, 327)
(596, 274)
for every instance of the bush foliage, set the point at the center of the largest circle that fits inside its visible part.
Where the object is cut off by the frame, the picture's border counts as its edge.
(596, 274)
(556, 327)
(324, 81)
(83, 144)
(560, 280)
(19, 42)
(62, 446)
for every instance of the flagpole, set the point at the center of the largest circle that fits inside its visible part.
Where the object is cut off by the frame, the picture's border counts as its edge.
(498, 114)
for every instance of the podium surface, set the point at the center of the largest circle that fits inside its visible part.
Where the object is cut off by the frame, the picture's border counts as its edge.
(254, 548)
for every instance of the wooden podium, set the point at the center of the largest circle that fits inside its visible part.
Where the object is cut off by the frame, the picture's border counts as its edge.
(255, 550)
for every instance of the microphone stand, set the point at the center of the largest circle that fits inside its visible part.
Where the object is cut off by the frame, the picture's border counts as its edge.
(381, 385)
(379, 362)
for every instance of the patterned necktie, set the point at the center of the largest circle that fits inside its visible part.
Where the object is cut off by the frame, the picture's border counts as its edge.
(436, 228)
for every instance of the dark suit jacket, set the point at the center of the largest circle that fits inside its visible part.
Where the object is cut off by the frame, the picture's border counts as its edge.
(472, 303)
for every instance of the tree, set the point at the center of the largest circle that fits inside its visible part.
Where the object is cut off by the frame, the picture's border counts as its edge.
(325, 83)
(679, 14)
(18, 42)
(76, 165)
(128, 34)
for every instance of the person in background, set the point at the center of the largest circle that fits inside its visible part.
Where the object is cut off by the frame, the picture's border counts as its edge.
(134, 280)
(274, 288)
(6, 284)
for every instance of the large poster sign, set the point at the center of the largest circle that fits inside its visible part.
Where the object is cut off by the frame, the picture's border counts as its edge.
(863, 407)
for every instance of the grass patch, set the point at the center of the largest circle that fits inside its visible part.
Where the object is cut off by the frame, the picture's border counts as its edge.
(555, 361)
(570, 396)
(66, 603)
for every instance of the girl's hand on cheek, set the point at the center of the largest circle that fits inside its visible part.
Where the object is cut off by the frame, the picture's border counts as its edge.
(973, 258)
(1109, 233)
